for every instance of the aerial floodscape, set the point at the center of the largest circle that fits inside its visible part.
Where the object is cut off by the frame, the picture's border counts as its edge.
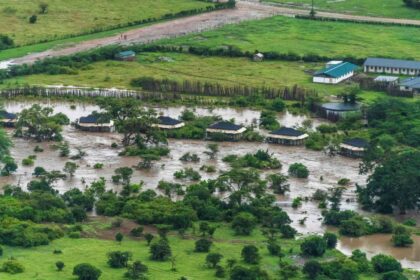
(210, 139)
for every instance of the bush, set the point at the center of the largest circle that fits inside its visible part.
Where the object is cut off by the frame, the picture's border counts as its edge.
(12, 267)
(410, 222)
(273, 248)
(74, 234)
(402, 240)
(137, 231)
(85, 271)
(312, 269)
(298, 170)
(33, 19)
(1, 251)
(160, 251)
(313, 246)
(250, 254)
(98, 165)
(203, 245)
(213, 259)
(393, 275)
(330, 239)
(59, 265)
(118, 259)
(243, 223)
(382, 263)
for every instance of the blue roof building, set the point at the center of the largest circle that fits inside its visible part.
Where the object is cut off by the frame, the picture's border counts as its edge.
(126, 56)
(392, 66)
(335, 73)
(165, 122)
(411, 85)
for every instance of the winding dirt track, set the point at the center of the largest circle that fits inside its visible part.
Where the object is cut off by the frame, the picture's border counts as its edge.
(245, 10)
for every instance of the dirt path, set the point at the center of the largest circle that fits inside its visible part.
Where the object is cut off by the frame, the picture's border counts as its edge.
(245, 10)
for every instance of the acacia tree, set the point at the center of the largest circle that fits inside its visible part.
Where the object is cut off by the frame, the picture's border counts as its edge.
(40, 124)
(395, 183)
(278, 183)
(133, 121)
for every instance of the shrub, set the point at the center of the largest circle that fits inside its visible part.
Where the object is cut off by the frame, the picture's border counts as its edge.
(312, 268)
(160, 251)
(330, 239)
(220, 272)
(250, 254)
(118, 259)
(313, 246)
(382, 263)
(33, 19)
(1, 251)
(57, 252)
(137, 231)
(12, 267)
(98, 166)
(298, 170)
(410, 222)
(243, 223)
(393, 275)
(59, 265)
(27, 162)
(273, 248)
(85, 271)
(74, 234)
(287, 231)
(213, 259)
(203, 245)
(402, 240)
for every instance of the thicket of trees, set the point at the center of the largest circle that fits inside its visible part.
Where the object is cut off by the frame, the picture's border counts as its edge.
(412, 3)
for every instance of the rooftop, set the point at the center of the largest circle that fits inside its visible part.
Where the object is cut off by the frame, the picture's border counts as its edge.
(413, 82)
(224, 125)
(336, 70)
(91, 119)
(341, 106)
(168, 120)
(386, 79)
(287, 131)
(392, 63)
(357, 142)
(7, 115)
(126, 53)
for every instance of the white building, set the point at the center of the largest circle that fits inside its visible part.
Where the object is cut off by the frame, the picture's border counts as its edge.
(335, 73)
(392, 66)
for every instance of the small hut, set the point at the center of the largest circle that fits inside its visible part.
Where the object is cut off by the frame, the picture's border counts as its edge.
(7, 119)
(224, 130)
(335, 110)
(168, 123)
(287, 136)
(126, 56)
(93, 123)
(258, 57)
(354, 147)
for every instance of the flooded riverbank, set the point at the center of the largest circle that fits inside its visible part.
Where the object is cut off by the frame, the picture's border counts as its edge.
(325, 171)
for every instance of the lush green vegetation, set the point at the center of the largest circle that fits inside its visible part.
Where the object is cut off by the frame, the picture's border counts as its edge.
(331, 39)
(64, 18)
(385, 8)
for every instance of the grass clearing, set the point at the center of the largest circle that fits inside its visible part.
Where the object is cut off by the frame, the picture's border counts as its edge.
(330, 39)
(385, 8)
(74, 17)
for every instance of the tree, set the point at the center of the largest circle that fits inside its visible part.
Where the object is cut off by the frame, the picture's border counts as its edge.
(149, 237)
(243, 273)
(135, 270)
(9, 166)
(361, 260)
(85, 271)
(243, 223)
(393, 275)
(40, 124)
(203, 245)
(213, 149)
(313, 246)
(287, 270)
(288, 231)
(273, 248)
(213, 259)
(298, 170)
(119, 237)
(401, 237)
(278, 183)
(70, 168)
(118, 259)
(331, 240)
(33, 19)
(160, 251)
(5, 144)
(390, 187)
(43, 8)
(59, 265)
(335, 195)
(125, 173)
(382, 263)
(250, 254)
(312, 269)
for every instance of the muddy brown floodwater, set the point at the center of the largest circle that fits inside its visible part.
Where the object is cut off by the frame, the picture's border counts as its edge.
(98, 149)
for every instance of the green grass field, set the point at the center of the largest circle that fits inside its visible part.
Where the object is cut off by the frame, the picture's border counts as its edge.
(226, 71)
(385, 8)
(331, 39)
(40, 261)
(77, 16)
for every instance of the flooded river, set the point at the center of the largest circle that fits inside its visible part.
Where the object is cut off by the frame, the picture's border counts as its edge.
(325, 171)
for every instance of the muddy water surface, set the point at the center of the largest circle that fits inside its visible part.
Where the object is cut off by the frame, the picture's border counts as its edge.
(324, 171)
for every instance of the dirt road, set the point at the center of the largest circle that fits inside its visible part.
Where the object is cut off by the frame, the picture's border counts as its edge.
(245, 10)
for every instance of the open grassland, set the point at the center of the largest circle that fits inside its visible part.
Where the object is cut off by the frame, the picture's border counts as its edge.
(331, 39)
(383, 8)
(39, 262)
(78, 16)
(180, 67)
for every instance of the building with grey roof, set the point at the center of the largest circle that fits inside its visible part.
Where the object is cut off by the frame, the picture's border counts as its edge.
(411, 85)
(392, 66)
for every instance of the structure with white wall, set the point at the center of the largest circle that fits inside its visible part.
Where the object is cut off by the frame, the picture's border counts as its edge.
(334, 73)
